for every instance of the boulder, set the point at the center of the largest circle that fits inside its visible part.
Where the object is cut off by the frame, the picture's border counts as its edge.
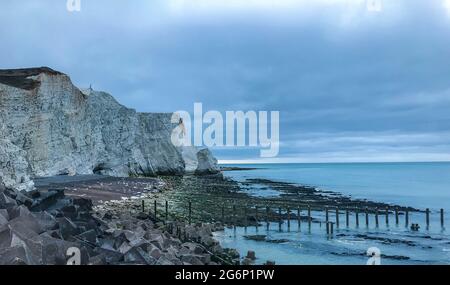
(251, 255)
(45, 220)
(164, 261)
(54, 251)
(137, 255)
(13, 255)
(193, 247)
(82, 204)
(67, 228)
(26, 223)
(21, 239)
(4, 214)
(191, 259)
(154, 251)
(89, 236)
(6, 202)
(47, 199)
(110, 256)
(3, 220)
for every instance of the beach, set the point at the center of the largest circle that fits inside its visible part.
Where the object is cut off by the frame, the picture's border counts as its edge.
(262, 215)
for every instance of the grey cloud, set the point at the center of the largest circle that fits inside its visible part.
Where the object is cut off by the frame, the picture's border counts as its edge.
(327, 69)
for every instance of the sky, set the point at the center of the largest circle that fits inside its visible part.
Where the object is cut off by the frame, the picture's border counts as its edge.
(352, 83)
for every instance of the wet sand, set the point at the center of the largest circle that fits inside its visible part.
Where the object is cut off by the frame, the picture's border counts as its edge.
(100, 188)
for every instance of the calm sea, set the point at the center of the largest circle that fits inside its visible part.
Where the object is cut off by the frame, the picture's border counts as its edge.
(420, 185)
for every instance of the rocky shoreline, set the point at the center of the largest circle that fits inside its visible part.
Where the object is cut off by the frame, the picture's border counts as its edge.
(111, 220)
(39, 227)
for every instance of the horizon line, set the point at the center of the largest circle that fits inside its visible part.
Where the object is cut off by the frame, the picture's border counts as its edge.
(221, 162)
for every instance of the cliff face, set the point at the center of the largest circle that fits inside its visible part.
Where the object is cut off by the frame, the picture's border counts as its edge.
(49, 127)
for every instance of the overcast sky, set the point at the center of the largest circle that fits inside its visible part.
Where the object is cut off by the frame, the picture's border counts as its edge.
(351, 84)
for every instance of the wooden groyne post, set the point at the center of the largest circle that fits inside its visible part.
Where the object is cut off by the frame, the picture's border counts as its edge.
(387, 216)
(396, 215)
(337, 217)
(190, 212)
(234, 215)
(309, 216)
(167, 211)
(143, 206)
(326, 215)
(347, 217)
(289, 217)
(367, 216)
(299, 217)
(357, 217)
(329, 228)
(376, 217)
(256, 217)
(427, 217)
(155, 209)
(267, 217)
(245, 217)
(280, 219)
(442, 218)
(406, 217)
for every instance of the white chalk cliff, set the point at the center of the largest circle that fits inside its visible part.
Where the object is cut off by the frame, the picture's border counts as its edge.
(50, 127)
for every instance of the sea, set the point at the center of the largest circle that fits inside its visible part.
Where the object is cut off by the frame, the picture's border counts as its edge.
(420, 185)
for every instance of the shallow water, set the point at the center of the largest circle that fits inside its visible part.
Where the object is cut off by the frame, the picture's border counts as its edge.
(421, 185)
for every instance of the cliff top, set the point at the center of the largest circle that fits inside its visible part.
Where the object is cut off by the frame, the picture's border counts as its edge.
(19, 77)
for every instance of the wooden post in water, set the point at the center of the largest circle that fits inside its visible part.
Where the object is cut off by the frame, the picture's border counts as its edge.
(337, 217)
(267, 217)
(234, 215)
(326, 214)
(396, 215)
(309, 216)
(327, 225)
(387, 216)
(154, 208)
(298, 217)
(256, 217)
(245, 217)
(167, 211)
(406, 217)
(376, 217)
(289, 217)
(357, 217)
(442, 218)
(190, 212)
(331, 228)
(367, 217)
(143, 206)
(347, 218)
(280, 219)
(427, 217)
